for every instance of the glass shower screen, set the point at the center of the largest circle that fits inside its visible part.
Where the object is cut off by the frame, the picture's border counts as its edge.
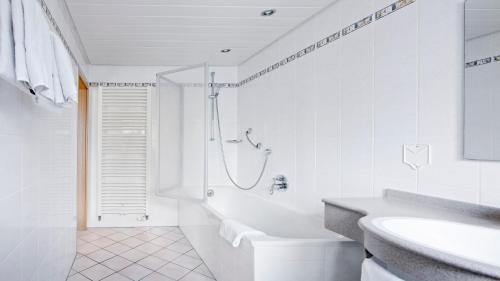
(180, 133)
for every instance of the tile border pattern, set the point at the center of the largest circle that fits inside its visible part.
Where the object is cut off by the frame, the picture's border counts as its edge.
(378, 15)
(153, 84)
(482, 61)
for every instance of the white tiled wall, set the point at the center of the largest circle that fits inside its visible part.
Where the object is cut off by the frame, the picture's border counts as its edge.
(337, 118)
(37, 188)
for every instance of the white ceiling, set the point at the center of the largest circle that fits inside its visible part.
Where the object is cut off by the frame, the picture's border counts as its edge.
(482, 17)
(183, 32)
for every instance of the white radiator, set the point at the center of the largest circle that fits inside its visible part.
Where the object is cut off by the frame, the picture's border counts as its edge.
(124, 151)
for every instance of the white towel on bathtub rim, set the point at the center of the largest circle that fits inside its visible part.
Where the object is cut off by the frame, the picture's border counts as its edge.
(7, 68)
(372, 271)
(233, 231)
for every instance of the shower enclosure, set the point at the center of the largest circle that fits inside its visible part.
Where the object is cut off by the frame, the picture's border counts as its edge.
(196, 139)
(180, 130)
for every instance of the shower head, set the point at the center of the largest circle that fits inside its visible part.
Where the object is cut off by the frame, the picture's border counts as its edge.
(215, 87)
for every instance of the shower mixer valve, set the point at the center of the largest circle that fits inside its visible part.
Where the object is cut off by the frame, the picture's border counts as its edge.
(280, 184)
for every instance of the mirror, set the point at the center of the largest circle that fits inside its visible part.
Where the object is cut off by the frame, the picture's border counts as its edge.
(482, 80)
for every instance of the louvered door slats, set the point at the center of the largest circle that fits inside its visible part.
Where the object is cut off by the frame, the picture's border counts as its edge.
(124, 157)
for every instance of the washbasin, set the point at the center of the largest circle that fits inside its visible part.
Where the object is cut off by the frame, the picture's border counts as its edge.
(471, 242)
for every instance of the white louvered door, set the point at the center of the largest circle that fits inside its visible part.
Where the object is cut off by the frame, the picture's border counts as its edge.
(124, 151)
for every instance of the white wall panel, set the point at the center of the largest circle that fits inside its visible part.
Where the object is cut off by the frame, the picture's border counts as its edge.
(398, 80)
(37, 188)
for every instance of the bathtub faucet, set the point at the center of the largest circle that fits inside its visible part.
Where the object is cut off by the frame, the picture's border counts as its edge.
(280, 184)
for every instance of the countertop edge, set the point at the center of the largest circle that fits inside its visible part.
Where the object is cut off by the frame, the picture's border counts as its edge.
(366, 225)
(458, 208)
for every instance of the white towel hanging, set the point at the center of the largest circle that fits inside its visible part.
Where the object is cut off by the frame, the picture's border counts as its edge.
(64, 66)
(33, 47)
(19, 46)
(7, 69)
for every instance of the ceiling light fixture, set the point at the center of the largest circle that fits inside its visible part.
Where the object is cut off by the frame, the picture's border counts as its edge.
(268, 13)
(225, 50)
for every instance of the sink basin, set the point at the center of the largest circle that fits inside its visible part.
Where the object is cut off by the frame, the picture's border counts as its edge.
(475, 243)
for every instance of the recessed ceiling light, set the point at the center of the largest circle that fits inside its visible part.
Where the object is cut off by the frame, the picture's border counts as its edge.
(225, 50)
(268, 13)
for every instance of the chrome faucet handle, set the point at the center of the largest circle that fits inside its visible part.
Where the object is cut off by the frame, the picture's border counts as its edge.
(280, 184)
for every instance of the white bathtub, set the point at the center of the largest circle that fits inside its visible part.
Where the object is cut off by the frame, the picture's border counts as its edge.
(296, 248)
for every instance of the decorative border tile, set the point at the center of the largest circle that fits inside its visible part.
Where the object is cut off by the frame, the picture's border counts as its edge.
(357, 25)
(392, 8)
(478, 62)
(330, 39)
(121, 84)
(153, 84)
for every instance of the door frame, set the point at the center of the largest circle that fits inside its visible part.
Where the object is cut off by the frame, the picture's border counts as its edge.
(82, 150)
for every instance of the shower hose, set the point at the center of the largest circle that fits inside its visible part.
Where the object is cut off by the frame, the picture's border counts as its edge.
(221, 145)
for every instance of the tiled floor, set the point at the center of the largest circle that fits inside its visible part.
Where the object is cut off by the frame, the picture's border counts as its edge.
(144, 253)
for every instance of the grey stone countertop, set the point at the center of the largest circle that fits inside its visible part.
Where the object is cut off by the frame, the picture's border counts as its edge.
(404, 204)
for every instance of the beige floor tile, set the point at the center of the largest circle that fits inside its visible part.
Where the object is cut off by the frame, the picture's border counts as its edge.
(152, 262)
(132, 242)
(149, 248)
(116, 277)
(90, 237)
(203, 269)
(77, 277)
(126, 253)
(103, 231)
(103, 242)
(192, 253)
(173, 236)
(167, 254)
(193, 276)
(134, 255)
(83, 263)
(162, 241)
(156, 277)
(97, 272)
(117, 263)
(118, 236)
(135, 272)
(173, 271)
(187, 262)
(87, 249)
(117, 248)
(101, 255)
(179, 247)
(146, 236)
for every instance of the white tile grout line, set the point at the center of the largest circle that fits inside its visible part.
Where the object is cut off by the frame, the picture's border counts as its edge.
(118, 230)
(378, 15)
